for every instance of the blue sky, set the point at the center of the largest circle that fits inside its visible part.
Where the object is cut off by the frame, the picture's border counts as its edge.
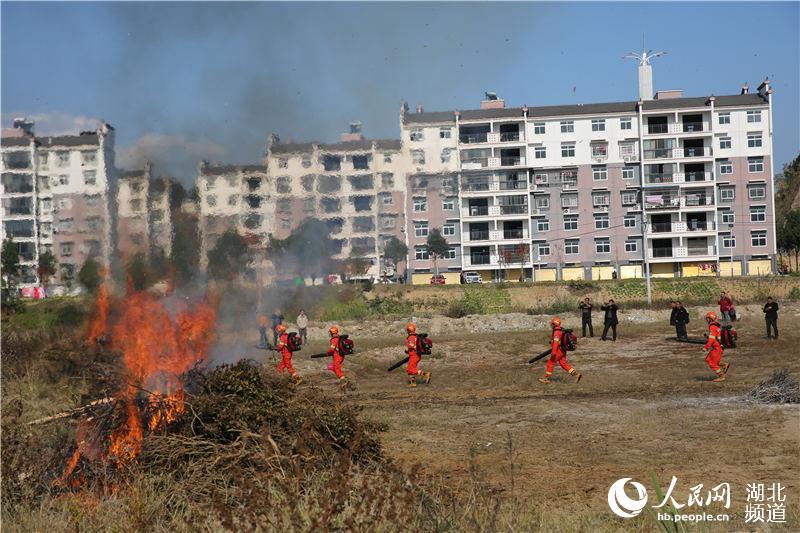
(181, 81)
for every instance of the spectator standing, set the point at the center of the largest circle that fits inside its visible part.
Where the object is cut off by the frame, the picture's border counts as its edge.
(610, 320)
(586, 316)
(681, 319)
(726, 307)
(277, 320)
(302, 326)
(771, 316)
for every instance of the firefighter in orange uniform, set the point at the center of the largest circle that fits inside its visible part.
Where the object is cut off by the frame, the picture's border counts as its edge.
(713, 348)
(338, 358)
(558, 355)
(286, 353)
(413, 358)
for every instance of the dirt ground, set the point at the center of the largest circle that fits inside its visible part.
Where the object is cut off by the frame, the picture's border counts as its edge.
(645, 405)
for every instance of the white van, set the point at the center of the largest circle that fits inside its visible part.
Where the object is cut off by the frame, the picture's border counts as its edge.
(472, 277)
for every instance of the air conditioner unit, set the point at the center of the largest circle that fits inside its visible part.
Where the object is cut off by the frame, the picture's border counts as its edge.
(628, 158)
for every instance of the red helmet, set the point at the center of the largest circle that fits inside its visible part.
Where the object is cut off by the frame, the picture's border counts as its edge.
(712, 316)
(556, 322)
(411, 327)
(280, 328)
(333, 331)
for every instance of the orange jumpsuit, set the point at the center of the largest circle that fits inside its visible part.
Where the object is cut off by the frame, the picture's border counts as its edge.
(413, 356)
(286, 355)
(715, 355)
(338, 358)
(557, 354)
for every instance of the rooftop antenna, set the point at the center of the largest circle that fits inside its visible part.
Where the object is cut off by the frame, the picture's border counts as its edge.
(645, 70)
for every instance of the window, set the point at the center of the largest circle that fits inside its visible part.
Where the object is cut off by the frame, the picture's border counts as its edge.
(567, 126)
(542, 202)
(601, 222)
(417, 134)
(628, 172)
(753, 116)
(65, 225)
(728, 241)
(538, 128)
(233, 199)
(724, 118)
(757, 191)
(283, 163)
(306, 161)
(754, 140)
(728, 217)
(450, 253)
(420, 229)
(62, 159)
(631, 247)
(387, 179)
(420, 205)
(210, 182)
(599, 173)
(387, 158)
(91, 200)
(539, 152)
(598, 124)
(542, 225)
(569, 201)
(727, 194)
(625, 123)
(420, 253)
(629, 198)
(758, 238)
(360, 162)
(211, 200)
(544, 249)
(601, 200)
(63, 179)
(136, 205)
(90, 177)
(602, 246)
(446, 155)
(627, 149)
(571, 223)
(725, 167)
(599, 150)
(571, 246)
(567, 149)
(388, 223)
(66, 249)
(92, 223)
(448, 204)
(449, 229)
(286, 223)
(445, 133)
(65, 203)
(43, 159)
(418, 157)
(724, 143)
(755, 164)
(89, 158)
(629, 221)
(47, 205)
(387, 199)
(758, 213)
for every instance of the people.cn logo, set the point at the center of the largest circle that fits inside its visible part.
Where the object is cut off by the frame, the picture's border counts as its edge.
(621, 504)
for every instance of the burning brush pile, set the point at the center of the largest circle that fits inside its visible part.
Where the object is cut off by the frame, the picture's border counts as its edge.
(232, 447)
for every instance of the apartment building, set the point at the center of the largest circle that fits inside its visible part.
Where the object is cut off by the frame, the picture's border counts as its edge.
(682, 186)
(57, 196)
(144, 222)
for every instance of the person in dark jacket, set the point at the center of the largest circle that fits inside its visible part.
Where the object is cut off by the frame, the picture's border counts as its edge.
(610, 320)
(771, 316)
(277, 320)
(586, 316)
(681, 319)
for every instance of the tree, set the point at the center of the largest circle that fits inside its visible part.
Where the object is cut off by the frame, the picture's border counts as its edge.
(185, 254)
(90, 275)
(229, 257)
(10, 261)
(308, 250)
(396, 250)
(522, 252)
(47, 266)
(138, 272)
(437, 246)
(788, 235)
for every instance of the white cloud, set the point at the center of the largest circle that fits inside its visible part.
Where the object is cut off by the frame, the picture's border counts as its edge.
(54, 123)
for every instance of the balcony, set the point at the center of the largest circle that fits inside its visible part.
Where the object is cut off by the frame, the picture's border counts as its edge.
(682, 227)
(475, 163)
(480, 259)
(514, 234)
(695, 251)
(676, 127)
(477, 211)
(516, 161)
(512, 209)
(656, 129)
(667, 252)
(511, 136)
(663, 201)
(659, 153)
(479, 235)
(512, 185)
(473, 138)
(478, 186)
(659, 179)
(701, 151)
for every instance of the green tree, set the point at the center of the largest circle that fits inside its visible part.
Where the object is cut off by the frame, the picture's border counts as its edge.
(47, 266)
(229, 257)
(90, 275)
(437, 246)
(396, 250)
(185, 254)
(307, 251)
(788, 235)
(10, 261)
(138, 272)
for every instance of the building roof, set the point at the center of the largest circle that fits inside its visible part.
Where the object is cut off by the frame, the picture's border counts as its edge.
(346, 146)
(752, 99)
(129, 174)
(219, 170)
(15, 141)
(84, 139)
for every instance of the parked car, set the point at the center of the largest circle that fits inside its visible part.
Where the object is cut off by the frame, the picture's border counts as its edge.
(438, 279)
(472, 277)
